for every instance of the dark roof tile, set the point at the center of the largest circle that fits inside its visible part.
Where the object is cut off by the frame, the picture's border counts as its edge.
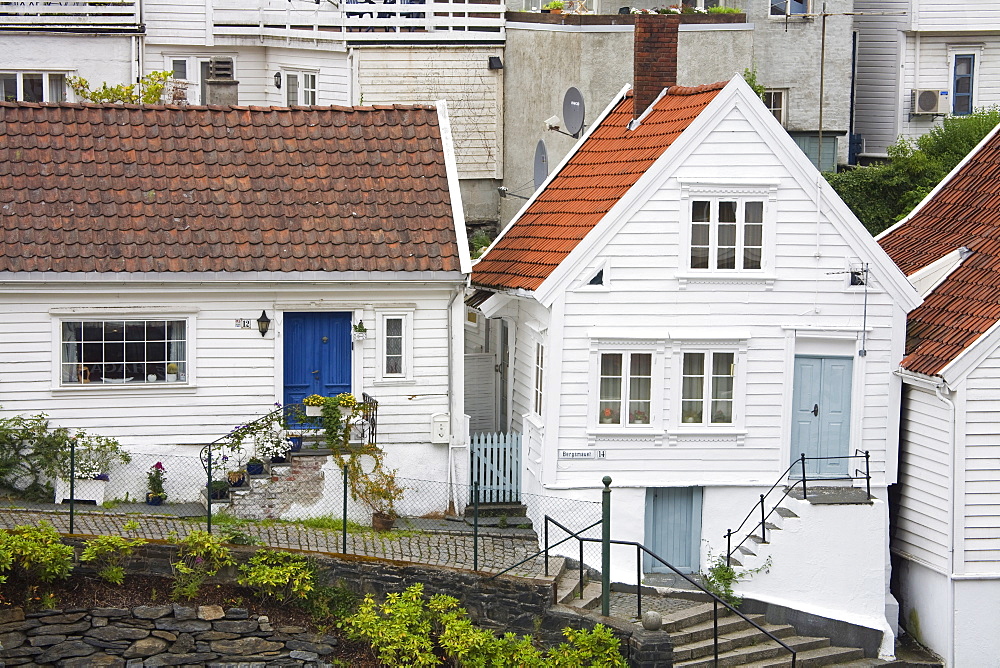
(128, 188)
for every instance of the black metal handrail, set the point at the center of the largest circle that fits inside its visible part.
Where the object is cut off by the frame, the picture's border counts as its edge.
(783, 479)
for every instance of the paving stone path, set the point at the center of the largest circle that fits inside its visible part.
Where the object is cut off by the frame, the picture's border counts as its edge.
(451, 549)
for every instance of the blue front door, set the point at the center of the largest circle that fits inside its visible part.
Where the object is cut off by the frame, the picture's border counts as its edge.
(317, 355)
(821, 415)
(673, 528)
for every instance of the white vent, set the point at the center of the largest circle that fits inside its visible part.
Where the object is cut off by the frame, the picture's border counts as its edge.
(929, 101)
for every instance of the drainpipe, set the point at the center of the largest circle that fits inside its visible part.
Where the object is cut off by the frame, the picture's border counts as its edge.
(939, 390)
(454, 324)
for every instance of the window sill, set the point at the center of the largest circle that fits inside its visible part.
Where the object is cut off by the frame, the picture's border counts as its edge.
(645, 434)
(701, 433)
(123, 387)
(735, 278)
(386, 382)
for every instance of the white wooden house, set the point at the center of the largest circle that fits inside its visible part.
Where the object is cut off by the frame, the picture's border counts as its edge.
(946, 539)
(919, 60)
(688, 308)
(141, 244)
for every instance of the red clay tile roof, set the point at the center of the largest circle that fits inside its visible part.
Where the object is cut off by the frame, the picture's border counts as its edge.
(965, 212)
(608, 163)
(124, 188)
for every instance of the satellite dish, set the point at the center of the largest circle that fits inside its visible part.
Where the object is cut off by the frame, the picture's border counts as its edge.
(573, 111)
(541, 164)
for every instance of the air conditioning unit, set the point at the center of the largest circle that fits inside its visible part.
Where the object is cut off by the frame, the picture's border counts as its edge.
(929, 101)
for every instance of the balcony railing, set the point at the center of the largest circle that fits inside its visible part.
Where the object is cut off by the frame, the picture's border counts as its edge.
(376, 21)
(115, 16)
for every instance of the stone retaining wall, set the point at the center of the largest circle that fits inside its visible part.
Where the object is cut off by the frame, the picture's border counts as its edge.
(156, 635)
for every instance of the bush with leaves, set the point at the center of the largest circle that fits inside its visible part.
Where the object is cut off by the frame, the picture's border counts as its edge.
(148, 90)
(281, 576)
(407, 630)
(720, 577)
(37, 553)
(111, 552)
(200, 555)
(881, 194)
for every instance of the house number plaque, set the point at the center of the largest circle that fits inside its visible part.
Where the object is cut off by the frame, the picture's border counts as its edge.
(242, 323)
(582, 454)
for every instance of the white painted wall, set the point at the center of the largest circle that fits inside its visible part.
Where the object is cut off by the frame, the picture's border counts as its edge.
(458, 74)
(237, 373)
(879, 53)
(969, 15)
(976, 620)
(97, 58)
(925, 604)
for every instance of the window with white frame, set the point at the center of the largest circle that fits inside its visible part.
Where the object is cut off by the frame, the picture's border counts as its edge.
(625, 388)
(776, 103)
(189, 74)
(33, 86)
(963, 84)
(300, 88)
(727, 234)
(134, 351)
(790, 7)
(707, 383)
(539, 376)
(395, 346)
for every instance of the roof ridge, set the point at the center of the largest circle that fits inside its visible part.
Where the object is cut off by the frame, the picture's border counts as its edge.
(694, 90)
(20, 104)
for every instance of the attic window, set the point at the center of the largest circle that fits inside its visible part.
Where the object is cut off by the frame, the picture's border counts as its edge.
(598, 278)
(859, 275)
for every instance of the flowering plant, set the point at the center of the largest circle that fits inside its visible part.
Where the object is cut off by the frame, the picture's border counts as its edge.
(154, 478)
(314, 400)
(96, 455)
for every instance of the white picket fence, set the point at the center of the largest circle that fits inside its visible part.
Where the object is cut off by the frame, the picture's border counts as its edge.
(496, 465)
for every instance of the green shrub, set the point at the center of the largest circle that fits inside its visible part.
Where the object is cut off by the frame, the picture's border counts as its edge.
(200, 556)
(277, 575)
(38, 552)
(407, 630)
(720, 577)
(111, 552)
(328, 606)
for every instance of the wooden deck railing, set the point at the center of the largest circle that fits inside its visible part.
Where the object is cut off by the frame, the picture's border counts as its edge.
(83, 16)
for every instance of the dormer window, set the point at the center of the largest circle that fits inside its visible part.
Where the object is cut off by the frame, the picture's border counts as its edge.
(727, 234)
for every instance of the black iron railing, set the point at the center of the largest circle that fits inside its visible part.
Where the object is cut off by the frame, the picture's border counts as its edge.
(760, 508)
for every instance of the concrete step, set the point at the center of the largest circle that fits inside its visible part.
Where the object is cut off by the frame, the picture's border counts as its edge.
(823, 656)
(705, 630)
(591, 597)
(761, 651)
(689, 617)
(732, 640)
(785, 512)
(497, 510)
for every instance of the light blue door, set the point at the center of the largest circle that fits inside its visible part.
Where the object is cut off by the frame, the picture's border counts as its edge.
(673, 528)
(821, 415)
(317, 355)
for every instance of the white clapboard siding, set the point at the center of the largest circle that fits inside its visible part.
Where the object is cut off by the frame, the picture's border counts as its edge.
(876, 112)
(642, 262)
(925, 468)
(177, 21)
(967, 15)
(981, 510)
(234, 370)
(424, 75)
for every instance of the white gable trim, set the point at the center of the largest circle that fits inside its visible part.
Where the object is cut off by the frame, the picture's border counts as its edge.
(454, 189)
(933, 193)
(562, 163)
(736, 93)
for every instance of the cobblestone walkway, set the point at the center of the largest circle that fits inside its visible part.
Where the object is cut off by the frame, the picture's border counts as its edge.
(454, 551)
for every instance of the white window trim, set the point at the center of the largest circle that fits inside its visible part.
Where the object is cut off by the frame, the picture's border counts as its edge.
(475, 322)
(68, 95)
(676, 428)
(406, 377)
(298, 72)
(60, 314)
(605, 286)
(784, 104)
(809, 13)
(696, 189)
(954, 50)
(538, 381)
(652, 431)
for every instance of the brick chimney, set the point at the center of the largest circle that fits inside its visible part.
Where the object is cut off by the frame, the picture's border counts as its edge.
(655, 57)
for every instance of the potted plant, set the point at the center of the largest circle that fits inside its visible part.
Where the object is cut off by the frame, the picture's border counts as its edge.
(255, 466)
(219, 489)
(377, 489)
(237, 478)
(155, 476)
(359, 332)
(171, 372)
(554, 7)
(95, 456)
(314, 405)
(272, 446)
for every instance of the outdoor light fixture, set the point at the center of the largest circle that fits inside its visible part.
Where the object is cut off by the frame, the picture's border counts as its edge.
(277, 79)
(263, 323)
